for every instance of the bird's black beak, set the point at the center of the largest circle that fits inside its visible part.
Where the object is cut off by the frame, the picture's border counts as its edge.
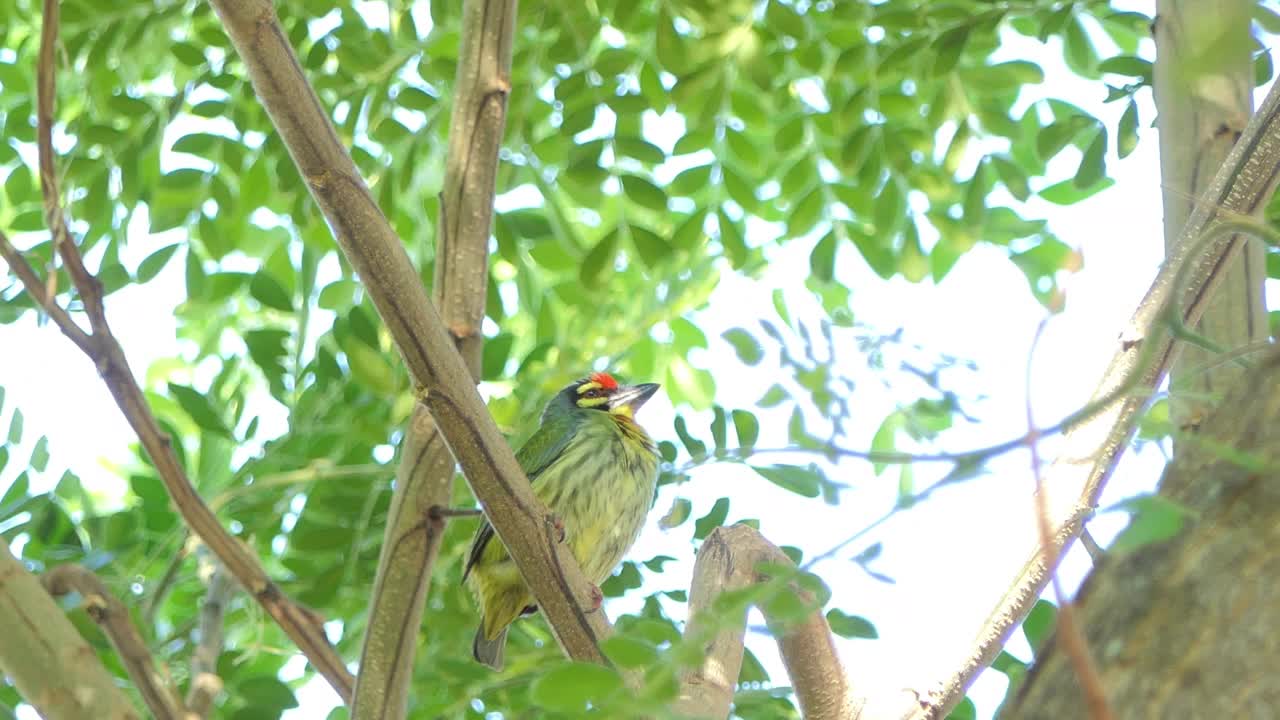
(631, 397)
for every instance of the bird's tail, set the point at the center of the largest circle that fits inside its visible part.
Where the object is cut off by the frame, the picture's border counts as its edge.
(487, 651)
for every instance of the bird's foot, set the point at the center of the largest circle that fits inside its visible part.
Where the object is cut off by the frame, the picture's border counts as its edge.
(596, 597)
(558, 525)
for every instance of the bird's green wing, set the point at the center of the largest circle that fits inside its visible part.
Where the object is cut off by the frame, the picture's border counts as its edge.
(534, 456)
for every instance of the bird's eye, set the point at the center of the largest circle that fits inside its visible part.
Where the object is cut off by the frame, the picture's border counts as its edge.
(592, 393)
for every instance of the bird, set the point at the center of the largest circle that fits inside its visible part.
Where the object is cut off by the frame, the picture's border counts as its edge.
(596, 469)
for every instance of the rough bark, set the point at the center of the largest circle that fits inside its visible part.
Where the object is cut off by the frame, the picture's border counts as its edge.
(1188, 628)
(1203, 93)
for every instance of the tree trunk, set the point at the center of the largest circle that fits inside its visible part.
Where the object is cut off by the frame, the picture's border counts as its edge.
(1203, 91)
(1187, 628)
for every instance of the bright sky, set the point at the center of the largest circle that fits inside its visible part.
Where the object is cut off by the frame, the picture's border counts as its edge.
(950, 557)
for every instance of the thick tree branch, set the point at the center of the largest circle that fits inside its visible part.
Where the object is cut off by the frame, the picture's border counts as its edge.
(154, 686)
(731, 559)
(1091, 449)
(45, 657)
(1203, 81)
(424, 480)
(409, 550)
(443, 383)
(108, 356)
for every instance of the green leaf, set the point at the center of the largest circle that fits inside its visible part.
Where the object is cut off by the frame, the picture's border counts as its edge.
(948, 47)
(572, 687)
(644, 193)
(886, 438)
(806, 213)
(752, 670)
(1078, 50)
(265, 692)
(1127, 131)
(801, 481)
(966, 710)
(640, 149)
(15, 427)
(1155, 519)
(1093, 162)
(1068, 193)
(1130, 65)
(773, 397)
(747, 428)
(696, 448)
(187, 54)
(496, 352)
(851, 626)
(338, 295)
(719, 427)
(822, 261)
(745, 345)
(629, 652)
(651, 248)
(599, 260)
(40, 454)
(1038, 624)
(411, 98)
(679, 512)
(712, 520)
(197, 406)
(267, 290)
(1013, 177)
(626, 578)
(889, 209)
(154, 263)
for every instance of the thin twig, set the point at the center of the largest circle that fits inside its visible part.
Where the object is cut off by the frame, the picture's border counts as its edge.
(1091, 546)
(167, 580)
(36, 289)
(205, 681)
(154, 686)
(300, 476)
(1069, 632)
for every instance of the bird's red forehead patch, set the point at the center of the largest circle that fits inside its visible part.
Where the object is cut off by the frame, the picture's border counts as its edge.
(604, 380)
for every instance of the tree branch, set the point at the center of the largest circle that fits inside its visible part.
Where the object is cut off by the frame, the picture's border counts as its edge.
(1091, 449)
(1203, 86)
(729, 560)
(154, 686)
(441, 378)
(45, 657)
(205, 681)
(102, 347)
(424, 481)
